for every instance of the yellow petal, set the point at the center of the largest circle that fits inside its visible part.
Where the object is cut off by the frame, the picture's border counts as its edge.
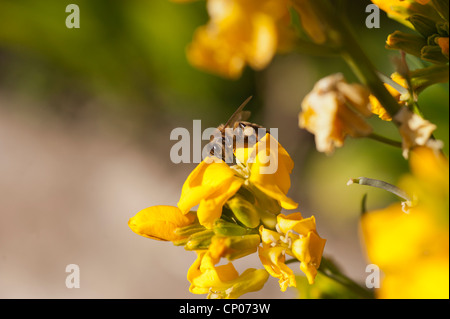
(311, 21)
(308, 250)
(392, 236)
(268, 236)
(270, 166)
(160, 222)
(210, 208)
(210, 185)
(410, 249)
(263, 43)
(209, 52)
(297, 223)
(223, 281)
(273, 259)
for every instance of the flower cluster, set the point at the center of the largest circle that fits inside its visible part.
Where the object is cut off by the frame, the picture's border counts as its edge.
(241, 33)
(238, 214)
(240, 206)
(429, 19)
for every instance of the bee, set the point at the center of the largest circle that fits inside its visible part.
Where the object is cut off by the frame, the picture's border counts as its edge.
(224, 145)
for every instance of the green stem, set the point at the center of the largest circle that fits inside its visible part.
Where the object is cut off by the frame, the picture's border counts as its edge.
(385, 140)
(353, 54)
(327, 269)
(342, 38)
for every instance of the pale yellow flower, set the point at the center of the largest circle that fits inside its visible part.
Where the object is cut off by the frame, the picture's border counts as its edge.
(415, 131)
(326, 112)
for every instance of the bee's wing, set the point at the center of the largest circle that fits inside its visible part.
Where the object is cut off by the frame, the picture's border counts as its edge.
(237, 114)
(242, 116)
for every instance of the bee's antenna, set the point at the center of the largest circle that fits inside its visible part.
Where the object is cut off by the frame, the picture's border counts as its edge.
(238, 110)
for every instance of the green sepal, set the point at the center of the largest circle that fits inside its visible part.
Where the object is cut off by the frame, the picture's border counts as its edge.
(424, 25)
(410, 43)
(200, 240)
(225, 228)
(433, 53)
(244, 211)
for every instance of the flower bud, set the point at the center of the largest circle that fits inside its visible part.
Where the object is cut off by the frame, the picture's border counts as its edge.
(224, 228)
(160, 222)
(244, 211)
(410, 43)
(433, 53)
(200, 240)
(424, 25)
(233, 247)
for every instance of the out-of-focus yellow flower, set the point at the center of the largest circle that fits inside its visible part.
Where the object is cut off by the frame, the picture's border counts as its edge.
(268, 166)
(209, 185)
(222, 281)
(297, 237)
(160, 222)
(240, 33)
(429, 181)
(376, 106)
(400, 10)
(326, 112)
(311, 22)
(415, 131)
(412, 249)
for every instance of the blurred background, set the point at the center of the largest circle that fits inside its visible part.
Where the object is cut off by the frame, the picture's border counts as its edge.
(85, 120)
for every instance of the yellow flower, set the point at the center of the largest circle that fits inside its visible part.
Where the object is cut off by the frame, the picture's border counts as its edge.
(267, 166)
(415, 131)
(222, 281)
(326, 112)
(273, 259)
(297, 237)
(412, 249)
(376, 106)
(239, 33)
(212, 183)
(160, 222)
(429, 181)
(209, 185)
